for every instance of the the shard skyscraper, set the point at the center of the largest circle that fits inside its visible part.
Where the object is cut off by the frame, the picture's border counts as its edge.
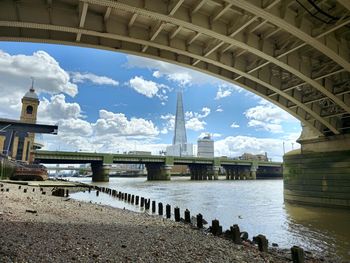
(180, 137)
(180, 147)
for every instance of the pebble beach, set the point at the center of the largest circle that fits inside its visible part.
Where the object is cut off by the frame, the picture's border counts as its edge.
(45, 228)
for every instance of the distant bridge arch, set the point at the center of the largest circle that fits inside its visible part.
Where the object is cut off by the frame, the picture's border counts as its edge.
(274, 48)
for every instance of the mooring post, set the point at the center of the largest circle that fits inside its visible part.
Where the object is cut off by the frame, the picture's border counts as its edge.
(153, 206)
(177, 214)
(215, 227)
(262, 243)
(199, 221)
(236, 235)
(187, 216)
(297, 254)
(168, 211)
(160, 209)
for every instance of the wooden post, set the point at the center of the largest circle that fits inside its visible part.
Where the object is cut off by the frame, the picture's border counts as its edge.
(129, 198)
(142, 201)
(215, 227)
(187, 216)
(153, 206)
(97, 193)
(297, 254)
(236, 235)
(132, 199)
(67, 193)
(147, 203)
(199, 221)
(24, 190)
(177, 214)
(168, 211)
(160, 209)
(262, 243)
(137, 200)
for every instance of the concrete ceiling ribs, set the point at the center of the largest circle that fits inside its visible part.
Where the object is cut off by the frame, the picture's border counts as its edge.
(284, 51)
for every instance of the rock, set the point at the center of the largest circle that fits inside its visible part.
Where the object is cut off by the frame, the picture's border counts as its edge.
(31, 211)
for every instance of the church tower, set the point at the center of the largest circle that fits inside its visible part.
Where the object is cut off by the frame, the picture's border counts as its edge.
(24, 143)
(30, 104)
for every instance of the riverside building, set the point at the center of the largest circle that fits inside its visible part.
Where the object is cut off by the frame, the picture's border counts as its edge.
(23, 142)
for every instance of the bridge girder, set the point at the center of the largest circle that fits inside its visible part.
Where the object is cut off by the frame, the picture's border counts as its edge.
(273, 48)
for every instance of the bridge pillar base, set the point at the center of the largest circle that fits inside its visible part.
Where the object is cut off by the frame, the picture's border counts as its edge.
(158, 172)
(100, 172)
(200, 172)
(319, 173)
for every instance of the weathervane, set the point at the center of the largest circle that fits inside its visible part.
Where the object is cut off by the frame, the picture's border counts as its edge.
(32, 87)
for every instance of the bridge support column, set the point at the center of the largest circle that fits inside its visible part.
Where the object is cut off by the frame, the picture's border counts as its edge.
(158, 172)
(215, 172)
(318, 173)
(100, 172)
(254, 167)
(199, 172)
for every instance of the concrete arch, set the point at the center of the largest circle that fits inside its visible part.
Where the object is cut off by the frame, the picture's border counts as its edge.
(179, 32)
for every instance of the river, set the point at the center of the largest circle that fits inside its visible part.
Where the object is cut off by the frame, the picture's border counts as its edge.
(256, 206)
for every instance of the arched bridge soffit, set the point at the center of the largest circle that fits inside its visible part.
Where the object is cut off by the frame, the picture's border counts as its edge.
(262, 50)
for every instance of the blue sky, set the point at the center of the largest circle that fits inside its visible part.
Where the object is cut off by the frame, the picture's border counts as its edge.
(108, 101)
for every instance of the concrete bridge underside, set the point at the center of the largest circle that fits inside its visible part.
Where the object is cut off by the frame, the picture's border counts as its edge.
(286, 51)
(293, 53)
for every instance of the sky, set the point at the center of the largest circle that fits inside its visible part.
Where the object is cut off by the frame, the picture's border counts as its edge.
(106, 101)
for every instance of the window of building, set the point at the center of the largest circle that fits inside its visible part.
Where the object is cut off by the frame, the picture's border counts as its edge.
(30, 110)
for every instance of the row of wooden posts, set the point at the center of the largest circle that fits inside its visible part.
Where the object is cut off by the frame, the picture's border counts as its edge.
(216, 229)
(233, 233)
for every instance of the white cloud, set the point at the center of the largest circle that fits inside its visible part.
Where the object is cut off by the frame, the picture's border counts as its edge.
(234, 146)
(219, 109)
(57, 108)
(194, 120)
(15, 74)
(149, 88)
(234, 125)
(78, 77)
(213, 135)
(177, 74)
(73, 127)
(267, 116)
(16, 70)
(195, 124)
(221, 93)
(118, 124)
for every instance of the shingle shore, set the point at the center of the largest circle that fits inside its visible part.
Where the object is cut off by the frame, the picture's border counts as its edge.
(64, 230)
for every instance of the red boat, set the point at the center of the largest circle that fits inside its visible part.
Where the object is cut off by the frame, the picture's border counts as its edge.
(30, 172)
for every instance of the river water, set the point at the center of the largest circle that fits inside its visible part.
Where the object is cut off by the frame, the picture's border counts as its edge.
(256, 206)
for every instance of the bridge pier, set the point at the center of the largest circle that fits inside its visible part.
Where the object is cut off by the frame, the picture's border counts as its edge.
(100, 172)
(199, 172)
(318, 173)
(159, 171)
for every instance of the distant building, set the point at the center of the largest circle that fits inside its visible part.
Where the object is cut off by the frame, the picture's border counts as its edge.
(180, 146)
(205, 147)
(23, 143)
(257, 157)
(140, 153)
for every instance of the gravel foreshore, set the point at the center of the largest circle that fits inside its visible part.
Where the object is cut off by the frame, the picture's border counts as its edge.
(44, 228)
